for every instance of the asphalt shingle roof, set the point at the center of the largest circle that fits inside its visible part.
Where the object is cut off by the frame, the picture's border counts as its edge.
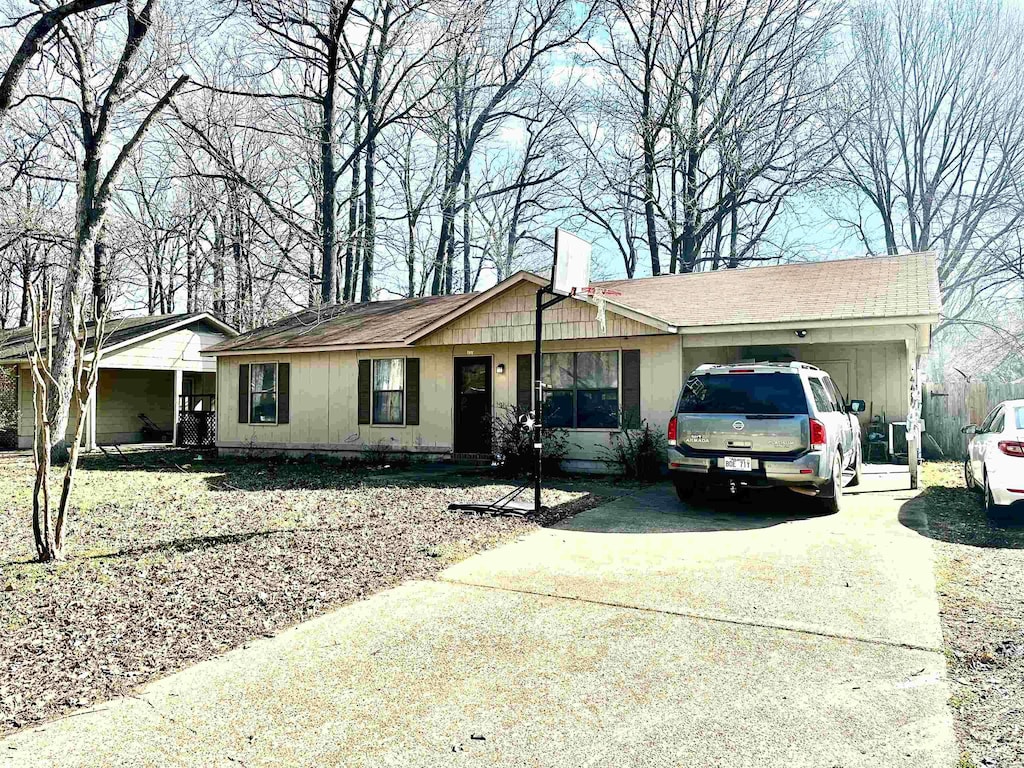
(375, 322)
(17, 344)
(875, 287)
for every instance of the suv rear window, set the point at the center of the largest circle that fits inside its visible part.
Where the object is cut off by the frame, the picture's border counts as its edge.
(770, 393)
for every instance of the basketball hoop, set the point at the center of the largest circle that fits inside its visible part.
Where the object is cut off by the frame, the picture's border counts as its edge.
(596, 295)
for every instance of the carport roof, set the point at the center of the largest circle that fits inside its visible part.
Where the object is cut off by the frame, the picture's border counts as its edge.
(16, 345)
(850, 289)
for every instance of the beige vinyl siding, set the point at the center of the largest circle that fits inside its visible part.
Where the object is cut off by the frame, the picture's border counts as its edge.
(510, 318)
(123, 395)
(324, 407)
(178, 349)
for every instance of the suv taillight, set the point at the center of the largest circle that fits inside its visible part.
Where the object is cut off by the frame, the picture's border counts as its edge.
(1012, 448)
(818, 438)
(673, 425)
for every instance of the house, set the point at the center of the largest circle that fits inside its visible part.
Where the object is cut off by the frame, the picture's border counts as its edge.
(149, 366)
(423, 375)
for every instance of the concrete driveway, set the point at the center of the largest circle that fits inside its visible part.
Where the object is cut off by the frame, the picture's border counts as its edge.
(640, 633)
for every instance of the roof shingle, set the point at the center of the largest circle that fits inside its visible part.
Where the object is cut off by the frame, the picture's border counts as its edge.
(17, 344)
(873, 287)
(375, 322)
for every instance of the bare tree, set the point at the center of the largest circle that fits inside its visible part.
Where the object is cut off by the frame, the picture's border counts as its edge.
(933, 137)
(110, 106)
(500, 47)
(49, 519)
(45, 21)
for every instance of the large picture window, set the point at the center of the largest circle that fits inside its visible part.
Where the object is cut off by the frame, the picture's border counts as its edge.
(582, 389)
(263, 393)
(388, 391)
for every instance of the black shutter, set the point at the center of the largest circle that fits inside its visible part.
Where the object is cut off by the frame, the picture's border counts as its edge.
(363, 392)
(243, 393)
(283, 392)
(412, 390)
(631, 388)
(524, 382)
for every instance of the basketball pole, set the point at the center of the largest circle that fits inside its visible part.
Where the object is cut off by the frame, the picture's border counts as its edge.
(538, 385)
(559, 289)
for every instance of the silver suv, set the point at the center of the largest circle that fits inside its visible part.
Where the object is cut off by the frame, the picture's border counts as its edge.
(765, 424)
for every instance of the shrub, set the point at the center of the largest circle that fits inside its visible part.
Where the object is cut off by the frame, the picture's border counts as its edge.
(638, 452)
(380, 455)
(513, 446)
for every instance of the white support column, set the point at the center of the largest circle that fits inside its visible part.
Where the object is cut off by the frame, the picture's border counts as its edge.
(176, 406)
(914, 410)
(90, 421)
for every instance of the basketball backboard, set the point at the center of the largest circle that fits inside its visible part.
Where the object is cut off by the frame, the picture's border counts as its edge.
(571, 269)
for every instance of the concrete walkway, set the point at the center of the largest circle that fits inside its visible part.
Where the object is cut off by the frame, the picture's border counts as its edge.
(640, 633)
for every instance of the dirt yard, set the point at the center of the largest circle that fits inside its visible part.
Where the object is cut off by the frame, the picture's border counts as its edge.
(980, 579)
(174, 559)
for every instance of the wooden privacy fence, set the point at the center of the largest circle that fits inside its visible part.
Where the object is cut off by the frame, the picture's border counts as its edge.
(951, 405)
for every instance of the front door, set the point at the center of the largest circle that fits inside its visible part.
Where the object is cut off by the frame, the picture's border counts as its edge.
(473, 405)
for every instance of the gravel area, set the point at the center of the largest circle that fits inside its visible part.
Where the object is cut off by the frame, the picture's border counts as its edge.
(980, 579)
(174, 559)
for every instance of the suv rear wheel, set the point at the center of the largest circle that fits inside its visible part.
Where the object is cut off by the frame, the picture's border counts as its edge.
(858, 461)
(832, 496)
(685, 487)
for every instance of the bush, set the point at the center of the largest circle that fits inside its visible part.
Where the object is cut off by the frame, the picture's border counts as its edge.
(638, 453)
(513, 446)
(380, 455)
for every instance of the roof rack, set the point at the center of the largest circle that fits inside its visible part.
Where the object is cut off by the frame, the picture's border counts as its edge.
(765, 364)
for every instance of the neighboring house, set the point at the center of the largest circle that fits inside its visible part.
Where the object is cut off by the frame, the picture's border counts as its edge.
(423, 375)
(149, 366)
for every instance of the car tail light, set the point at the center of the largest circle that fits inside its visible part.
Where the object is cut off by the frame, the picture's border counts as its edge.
(818, 439)
(673, 426)
(742, 370)
(1011, 447)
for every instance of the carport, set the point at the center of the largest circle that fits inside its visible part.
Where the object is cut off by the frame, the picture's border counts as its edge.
(867, 322)
(154, 386)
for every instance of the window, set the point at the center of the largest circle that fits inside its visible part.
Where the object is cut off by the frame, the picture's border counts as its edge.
(582, 389)
(388, 391)
(838, 403)
(1000, 422)
(821, 399)
(768, 393)
(263, 393)
(986, 426)
(1020, 417)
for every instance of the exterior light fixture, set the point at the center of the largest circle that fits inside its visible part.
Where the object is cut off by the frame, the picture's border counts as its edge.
(500, 369)
(801, 334)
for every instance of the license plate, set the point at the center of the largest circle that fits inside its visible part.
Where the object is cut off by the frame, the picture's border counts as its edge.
(738, 463)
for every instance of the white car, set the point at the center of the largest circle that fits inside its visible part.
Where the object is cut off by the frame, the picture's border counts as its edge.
(995, 457)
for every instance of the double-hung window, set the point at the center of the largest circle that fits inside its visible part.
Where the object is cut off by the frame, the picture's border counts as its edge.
(263, 393)
(389, 391)
(581, 389)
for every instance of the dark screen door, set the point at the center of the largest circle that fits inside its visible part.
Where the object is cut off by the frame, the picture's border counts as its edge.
(472, 405)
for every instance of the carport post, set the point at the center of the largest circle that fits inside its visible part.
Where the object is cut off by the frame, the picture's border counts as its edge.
(90, 421)
(176, 406)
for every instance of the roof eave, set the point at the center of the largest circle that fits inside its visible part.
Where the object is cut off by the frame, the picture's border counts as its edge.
(294, 350)
(930, 319)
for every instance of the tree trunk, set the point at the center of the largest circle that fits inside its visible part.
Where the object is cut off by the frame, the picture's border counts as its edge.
(328, 175)
(99, 278)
